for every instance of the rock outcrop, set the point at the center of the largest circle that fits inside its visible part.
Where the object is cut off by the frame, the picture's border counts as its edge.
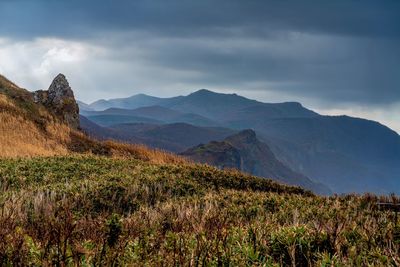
(59, 98)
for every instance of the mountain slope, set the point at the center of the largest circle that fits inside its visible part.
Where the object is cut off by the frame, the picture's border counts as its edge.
(348, 154)
(243, 151)
(107, 120)
(28, 128)
(46, 123)
(175, 137)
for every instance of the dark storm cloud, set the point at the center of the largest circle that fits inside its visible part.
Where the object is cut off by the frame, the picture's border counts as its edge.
(333, 51)
(77, 18)
(331, 68)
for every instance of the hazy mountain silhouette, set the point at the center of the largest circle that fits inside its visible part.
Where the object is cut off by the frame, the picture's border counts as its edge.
(133, 102)
(221, 107)
(150, 114)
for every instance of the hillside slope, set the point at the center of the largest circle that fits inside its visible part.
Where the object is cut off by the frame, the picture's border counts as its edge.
(28, 128)
(243, 151)
(46, 123)
(83, 211)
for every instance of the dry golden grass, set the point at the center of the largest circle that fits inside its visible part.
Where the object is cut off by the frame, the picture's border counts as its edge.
(5, 83)
(20, 138)
(6, 103)
(28, 129)
(144, 153)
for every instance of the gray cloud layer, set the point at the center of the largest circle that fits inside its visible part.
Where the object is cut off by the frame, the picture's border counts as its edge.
(77, 18)
(325, 53)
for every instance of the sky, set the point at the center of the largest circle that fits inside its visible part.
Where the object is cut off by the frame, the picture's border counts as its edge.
(335, 57)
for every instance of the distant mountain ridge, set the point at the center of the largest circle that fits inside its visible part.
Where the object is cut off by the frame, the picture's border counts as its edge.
(133, 102)
(206, 103)
(148, 114)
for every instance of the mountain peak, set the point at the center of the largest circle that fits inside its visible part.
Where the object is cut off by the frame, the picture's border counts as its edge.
(248, 133)
(247, 136)
(141, 95)
(60, 76)
(203, 92)
(60, 89)
(209, 92)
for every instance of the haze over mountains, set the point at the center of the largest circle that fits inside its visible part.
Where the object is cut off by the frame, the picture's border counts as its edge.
(46, 122)
(346, 154)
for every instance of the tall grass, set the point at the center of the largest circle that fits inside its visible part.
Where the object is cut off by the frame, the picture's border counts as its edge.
(87, 210)
(22, 137)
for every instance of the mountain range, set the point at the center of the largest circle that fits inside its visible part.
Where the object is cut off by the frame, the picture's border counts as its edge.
(346, 154)
(47, 123)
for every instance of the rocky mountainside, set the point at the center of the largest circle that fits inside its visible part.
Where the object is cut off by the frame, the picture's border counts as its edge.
(244, 152)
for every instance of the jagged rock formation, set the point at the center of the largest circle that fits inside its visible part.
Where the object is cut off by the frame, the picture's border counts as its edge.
(59, 98)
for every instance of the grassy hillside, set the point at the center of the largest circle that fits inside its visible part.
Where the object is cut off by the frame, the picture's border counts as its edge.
(29, 129)
(96, 210)
(68, 200)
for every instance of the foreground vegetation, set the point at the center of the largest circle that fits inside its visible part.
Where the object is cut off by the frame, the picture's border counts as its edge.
(89, 210)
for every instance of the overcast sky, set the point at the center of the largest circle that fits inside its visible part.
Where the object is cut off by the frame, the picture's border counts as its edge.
(336, 57)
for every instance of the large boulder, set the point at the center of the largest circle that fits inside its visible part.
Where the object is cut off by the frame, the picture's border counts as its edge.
(59, 98)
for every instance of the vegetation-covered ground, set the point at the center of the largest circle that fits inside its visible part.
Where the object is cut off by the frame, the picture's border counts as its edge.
(89, 210)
